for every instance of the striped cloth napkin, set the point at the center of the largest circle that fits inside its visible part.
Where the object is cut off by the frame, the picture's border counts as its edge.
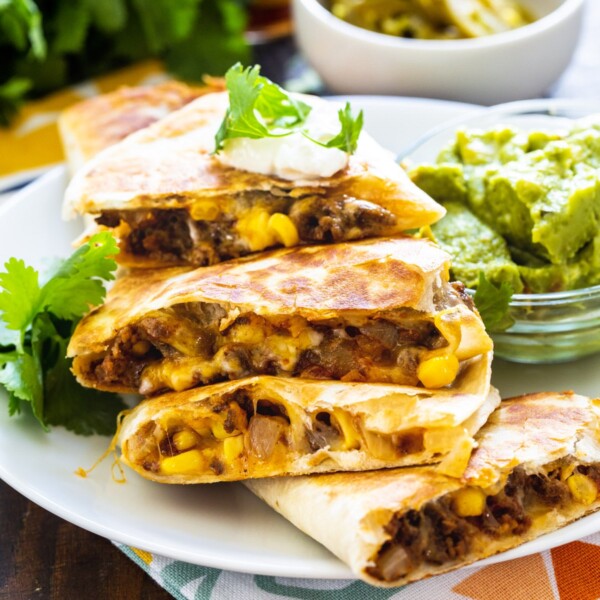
(570, 572)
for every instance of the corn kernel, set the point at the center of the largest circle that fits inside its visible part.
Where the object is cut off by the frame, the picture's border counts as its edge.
(233, 447)
(284, 230)
(218, 430)
(247, 334)
(184, 440)
(204, 210)
(438, 371)
(351, 437)
(469, 502)
(188, 462)
(140, 348)
(582, 488)
(202, 429)
(566, 471)
(253, 227)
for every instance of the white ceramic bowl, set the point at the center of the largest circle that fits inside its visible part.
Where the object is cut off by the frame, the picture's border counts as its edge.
(507, 66)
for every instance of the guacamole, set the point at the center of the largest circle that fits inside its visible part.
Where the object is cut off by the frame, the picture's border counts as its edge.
(482, 249)
(537, 192)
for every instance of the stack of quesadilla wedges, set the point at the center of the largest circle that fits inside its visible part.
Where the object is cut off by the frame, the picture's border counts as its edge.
(170, 201)
(321, 356)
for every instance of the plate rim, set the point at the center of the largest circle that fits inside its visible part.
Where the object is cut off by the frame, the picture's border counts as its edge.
(202, 556)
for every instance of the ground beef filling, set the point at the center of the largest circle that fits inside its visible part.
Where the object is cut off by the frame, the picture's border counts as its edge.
(382, 350)
(336, 220)
(172, 236)
(436, 535)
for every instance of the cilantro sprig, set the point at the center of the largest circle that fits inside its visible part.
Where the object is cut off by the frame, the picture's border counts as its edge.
(36, 323)
(347, 138)
(493, 302)
(259, 108)
(251, 94)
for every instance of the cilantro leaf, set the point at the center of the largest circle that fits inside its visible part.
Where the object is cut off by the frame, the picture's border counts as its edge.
(84, 411)
(347, 139)
(20, 298)
(216, 42)
(93, 259)
(81, 410)
(77, 284)
(11, 97)
(21, 376)
(278, 108)
(165, 21)
(21, 25)
(35, 326)
(8, 338)
(492, 302)
(71, 24)
(240, 119)
(109, 16)
(14, 404)
(258, 108)
(251, 96)
(72, 298)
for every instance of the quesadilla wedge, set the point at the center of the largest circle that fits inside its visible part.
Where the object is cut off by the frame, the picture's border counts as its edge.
(266, 426)
(90, 126)
(171, 201)
(535, 469)
(379, 311)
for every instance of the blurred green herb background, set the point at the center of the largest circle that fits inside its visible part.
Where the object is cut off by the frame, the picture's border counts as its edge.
(47, 44)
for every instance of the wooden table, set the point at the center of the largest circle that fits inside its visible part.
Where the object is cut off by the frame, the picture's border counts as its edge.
(42, 556)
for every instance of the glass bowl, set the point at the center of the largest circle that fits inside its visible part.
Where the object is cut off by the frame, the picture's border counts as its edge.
(551, 327)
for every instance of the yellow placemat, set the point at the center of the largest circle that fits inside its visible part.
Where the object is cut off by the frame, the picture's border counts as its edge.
(32, 143)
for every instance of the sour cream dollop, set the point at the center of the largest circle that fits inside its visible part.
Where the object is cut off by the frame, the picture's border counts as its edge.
(293, 156)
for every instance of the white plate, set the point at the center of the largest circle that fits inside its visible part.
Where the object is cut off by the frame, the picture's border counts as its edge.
(221, 525)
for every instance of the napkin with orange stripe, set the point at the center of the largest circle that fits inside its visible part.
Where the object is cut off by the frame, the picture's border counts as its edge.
(570, 572)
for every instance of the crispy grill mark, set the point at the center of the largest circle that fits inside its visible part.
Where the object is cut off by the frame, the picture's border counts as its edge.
(173, 236)
(436, 534)
(187, 337)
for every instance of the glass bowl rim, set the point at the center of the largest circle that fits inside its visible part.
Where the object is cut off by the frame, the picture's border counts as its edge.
(520, 107)
(552, 298)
